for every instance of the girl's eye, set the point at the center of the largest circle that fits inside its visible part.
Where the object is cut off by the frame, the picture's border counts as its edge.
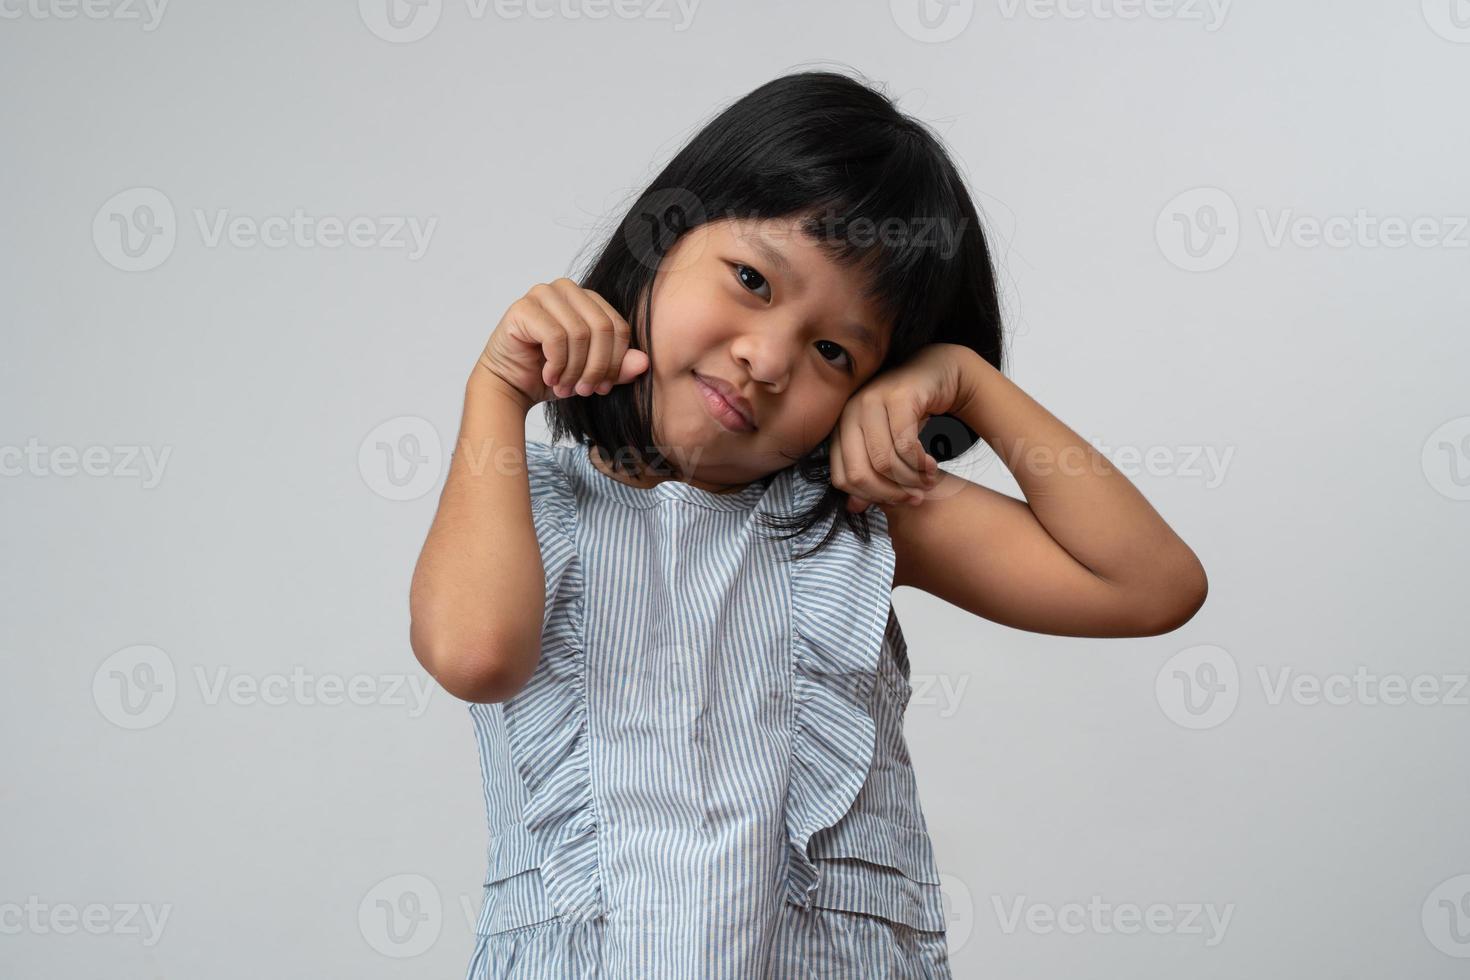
(848, 367)
(753, 281)
(745, 274)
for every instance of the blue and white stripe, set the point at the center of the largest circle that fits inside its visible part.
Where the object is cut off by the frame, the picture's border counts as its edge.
(706, 776)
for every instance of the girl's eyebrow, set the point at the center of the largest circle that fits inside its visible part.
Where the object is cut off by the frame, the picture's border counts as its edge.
(860, 332)
(776, 257)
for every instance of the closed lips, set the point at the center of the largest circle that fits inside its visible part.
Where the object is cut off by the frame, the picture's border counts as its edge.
(731, 396)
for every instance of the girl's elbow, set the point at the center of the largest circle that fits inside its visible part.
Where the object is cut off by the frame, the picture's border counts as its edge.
(1177, 602)
(478, 686)
(477, 673)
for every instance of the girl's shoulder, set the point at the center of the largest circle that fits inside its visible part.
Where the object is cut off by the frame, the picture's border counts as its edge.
(542, 458)
(552, 495)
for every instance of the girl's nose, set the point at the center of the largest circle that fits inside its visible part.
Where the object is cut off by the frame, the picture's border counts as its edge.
(765, 359)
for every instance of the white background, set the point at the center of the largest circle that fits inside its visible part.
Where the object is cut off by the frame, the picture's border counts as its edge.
(1327, 380)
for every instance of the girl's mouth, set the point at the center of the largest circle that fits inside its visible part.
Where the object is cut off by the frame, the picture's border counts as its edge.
(722, 411)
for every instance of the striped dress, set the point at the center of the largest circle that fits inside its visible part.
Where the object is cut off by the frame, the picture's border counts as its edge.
(706, 777)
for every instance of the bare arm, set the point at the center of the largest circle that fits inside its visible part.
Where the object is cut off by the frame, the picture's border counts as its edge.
(1083, 555)
(478, 593)
(476, 604)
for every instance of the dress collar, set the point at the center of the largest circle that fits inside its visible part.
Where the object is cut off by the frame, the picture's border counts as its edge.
(643, 497)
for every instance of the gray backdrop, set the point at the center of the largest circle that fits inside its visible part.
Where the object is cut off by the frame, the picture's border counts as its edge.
(252, 250)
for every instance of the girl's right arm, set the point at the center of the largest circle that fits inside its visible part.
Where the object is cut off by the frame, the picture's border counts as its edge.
(476, 607)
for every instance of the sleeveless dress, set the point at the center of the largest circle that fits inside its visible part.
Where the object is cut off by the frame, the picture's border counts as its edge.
(706, 776)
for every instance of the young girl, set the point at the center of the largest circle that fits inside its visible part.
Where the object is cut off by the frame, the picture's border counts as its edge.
(692, 747)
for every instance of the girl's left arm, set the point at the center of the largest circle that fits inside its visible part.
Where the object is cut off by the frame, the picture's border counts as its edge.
(1083, 555)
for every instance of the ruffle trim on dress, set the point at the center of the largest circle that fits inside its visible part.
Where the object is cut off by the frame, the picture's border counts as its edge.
(810, 942)
(547, 721)
(839, 609)
(552, 948)
(825, 943)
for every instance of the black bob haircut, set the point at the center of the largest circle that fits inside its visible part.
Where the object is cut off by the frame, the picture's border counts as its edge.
(837, 154)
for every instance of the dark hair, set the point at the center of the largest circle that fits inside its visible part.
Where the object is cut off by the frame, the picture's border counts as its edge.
(838, 155)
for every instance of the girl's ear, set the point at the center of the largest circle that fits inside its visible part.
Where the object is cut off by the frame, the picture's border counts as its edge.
(947, 436)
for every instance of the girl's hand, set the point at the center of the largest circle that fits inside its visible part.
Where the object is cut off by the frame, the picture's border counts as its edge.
(561, 339)
(876, 453)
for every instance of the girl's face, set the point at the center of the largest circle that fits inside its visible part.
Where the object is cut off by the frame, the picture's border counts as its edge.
(757, 305)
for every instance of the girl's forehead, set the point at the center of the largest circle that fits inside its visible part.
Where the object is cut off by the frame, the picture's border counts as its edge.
(784, 232)
(786, 246)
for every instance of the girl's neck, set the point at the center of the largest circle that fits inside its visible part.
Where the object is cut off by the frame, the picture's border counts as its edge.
(649, 480)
